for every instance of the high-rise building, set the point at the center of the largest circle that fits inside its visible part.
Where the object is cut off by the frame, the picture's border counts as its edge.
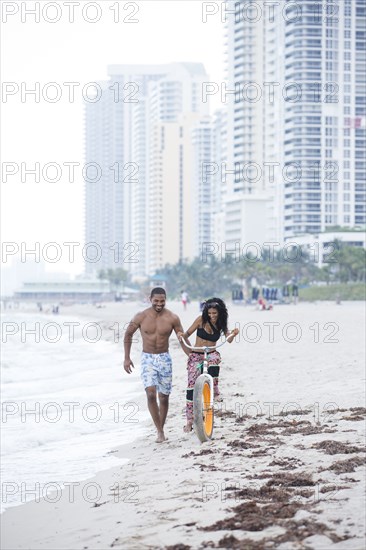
(248, 200)
(103, 226)
(304, 63)
(121, 137)
(202, 202)
(219, 159)
(112, 170)
(172, 193)
(324, 121)
(172, 110)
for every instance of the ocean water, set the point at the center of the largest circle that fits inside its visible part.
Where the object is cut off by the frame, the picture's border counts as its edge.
(66, 403)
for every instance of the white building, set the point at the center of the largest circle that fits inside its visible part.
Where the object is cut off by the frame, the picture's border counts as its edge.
(325, 127)
(172, 192)
(202, 200)
(310, 134)
(165, 214)
(322, 247)
(219, 159)
(209, 137)
(246, 129)
(138, 102)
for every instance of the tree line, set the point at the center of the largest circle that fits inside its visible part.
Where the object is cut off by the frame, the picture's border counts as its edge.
(220, 276)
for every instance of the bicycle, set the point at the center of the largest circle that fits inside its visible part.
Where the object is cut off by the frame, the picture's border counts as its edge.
(203, 396)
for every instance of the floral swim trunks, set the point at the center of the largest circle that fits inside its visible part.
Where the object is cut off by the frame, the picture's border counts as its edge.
(156, 370)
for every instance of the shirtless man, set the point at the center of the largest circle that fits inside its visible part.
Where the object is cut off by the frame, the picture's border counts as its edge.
(156, 325)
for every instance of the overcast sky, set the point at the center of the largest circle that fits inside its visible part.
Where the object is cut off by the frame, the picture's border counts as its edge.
(166, 31)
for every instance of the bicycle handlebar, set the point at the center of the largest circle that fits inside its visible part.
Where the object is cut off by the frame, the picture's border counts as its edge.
(203, 347)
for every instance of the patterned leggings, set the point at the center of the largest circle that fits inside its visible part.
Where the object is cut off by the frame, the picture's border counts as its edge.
(194, 368)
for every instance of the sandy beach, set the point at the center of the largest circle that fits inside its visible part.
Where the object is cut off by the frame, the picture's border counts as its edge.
(285, 468)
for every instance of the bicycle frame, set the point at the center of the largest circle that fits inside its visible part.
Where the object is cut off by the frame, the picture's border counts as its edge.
(206, 350)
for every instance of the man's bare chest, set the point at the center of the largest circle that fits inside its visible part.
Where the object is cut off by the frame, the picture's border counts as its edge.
(156, 327)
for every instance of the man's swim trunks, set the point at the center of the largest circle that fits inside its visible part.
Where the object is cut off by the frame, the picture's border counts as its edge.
(156, 370)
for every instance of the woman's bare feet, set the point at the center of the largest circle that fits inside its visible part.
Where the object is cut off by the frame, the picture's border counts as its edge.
(161, 437)
(188, 428)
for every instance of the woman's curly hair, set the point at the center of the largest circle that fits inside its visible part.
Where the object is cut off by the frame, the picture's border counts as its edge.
(220, 306)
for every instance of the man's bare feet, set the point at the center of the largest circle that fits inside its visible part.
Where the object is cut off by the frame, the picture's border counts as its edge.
(161, 437)
(188, 428)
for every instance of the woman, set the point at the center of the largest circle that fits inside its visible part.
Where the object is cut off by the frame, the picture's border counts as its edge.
(209, 326)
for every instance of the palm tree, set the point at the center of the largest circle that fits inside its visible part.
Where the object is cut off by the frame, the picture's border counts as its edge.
(115, 278)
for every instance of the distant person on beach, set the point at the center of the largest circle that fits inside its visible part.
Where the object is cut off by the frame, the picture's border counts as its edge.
(263, 306)
(209, 326)
(156, 325)
(295, 293)
(184, 298)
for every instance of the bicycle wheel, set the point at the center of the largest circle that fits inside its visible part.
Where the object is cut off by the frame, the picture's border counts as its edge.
(203, 413)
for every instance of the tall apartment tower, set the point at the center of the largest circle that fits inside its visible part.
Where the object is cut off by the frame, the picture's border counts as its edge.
(113, 171)
(324, 54)
(172, 109)
(203, 199)
(247, 198)
(218, 185)
(121, 127)
(307, 130)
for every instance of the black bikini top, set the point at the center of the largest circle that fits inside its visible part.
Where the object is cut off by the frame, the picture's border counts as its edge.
(201, 333)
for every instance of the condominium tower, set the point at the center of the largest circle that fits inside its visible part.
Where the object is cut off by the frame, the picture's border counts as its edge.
(298, 117)
(139, 135)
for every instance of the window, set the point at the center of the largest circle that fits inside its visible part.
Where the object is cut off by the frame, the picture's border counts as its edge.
(331, 143)
(331, 77)
(332, 33)
(331, 120)
(331, 54)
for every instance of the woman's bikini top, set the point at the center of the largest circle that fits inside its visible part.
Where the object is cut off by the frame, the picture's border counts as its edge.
(201, 333)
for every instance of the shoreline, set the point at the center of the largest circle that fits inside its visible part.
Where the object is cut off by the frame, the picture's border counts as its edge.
(267, 478)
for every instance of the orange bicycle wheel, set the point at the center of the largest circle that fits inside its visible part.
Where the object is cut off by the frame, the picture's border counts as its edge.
(203, 412)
